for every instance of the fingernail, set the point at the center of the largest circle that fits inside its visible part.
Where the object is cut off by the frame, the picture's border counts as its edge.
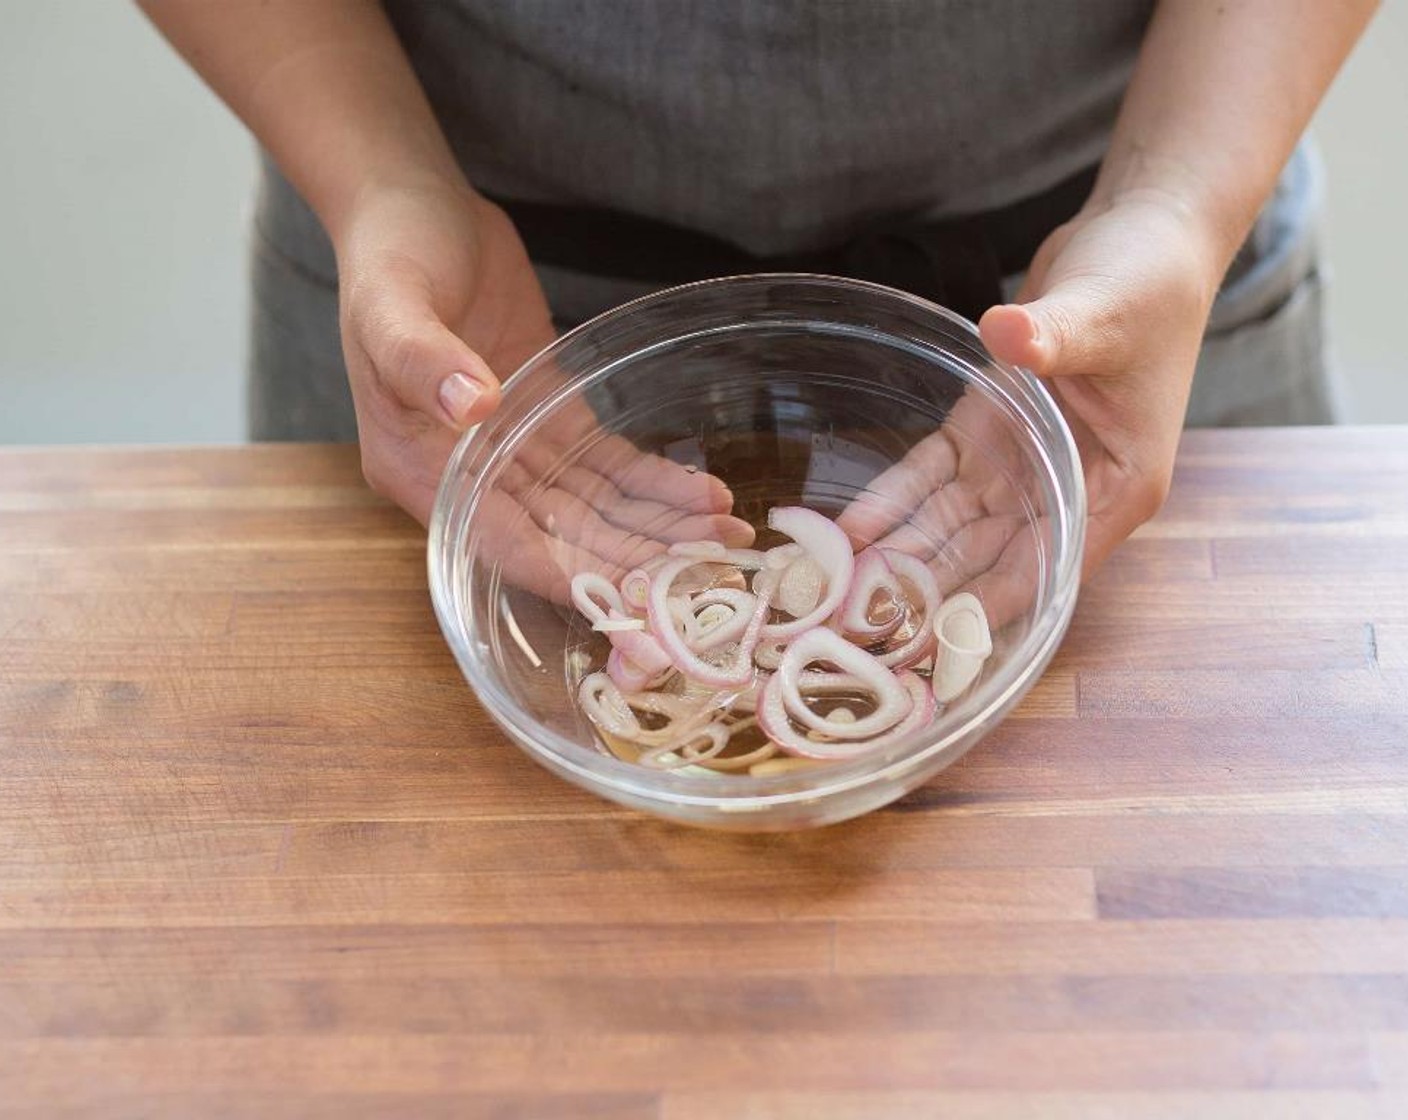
(458, 395)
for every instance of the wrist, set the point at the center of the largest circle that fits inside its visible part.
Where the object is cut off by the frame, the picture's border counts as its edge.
(385, 189)
(1196, 234)
(406, 166)
(1215, 218)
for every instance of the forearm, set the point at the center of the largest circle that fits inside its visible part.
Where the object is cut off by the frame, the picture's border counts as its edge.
(1222, 92)
(323, 84)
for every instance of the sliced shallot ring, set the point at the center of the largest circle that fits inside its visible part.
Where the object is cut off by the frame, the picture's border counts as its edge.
(740, 668)
(716, 733)
(742, 761)
(779, 558)
(872, 576)
(772, 718)
(606, 707)
(618, 625)
(747, 699)
(635, 584)
(964, 643)
(892, 702)
(920, 643)
(712, 615)
(682, 717)
(769, 653)
(588, 588)
(641, 648)
(749, 559)
(741, 603)
(635, 589)
(801, 587)
(667, 704)
(682, 615)
(826, 544)
(627, 675)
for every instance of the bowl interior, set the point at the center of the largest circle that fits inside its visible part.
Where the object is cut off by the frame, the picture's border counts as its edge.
(785, 391)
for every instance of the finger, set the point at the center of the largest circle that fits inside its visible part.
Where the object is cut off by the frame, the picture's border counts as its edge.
(531, 559)
(1072, 329)
(941, 517)
(895, 493)
(419, 361)
(645, 475)
(562, 514)
(1009, 332)
(651, 519)
(1007, 586)
(638, 473)
(692, 520)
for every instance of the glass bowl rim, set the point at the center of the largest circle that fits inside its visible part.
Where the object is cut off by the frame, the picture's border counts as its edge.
(736, 793)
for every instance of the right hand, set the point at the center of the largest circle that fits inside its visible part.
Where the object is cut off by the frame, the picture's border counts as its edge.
(438, 300)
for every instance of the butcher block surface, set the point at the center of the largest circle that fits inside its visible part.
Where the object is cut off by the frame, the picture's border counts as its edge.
(262, 854)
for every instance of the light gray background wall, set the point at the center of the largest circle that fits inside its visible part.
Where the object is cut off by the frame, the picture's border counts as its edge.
(125, 187)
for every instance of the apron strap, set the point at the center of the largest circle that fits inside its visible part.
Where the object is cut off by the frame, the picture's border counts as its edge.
(956, 262)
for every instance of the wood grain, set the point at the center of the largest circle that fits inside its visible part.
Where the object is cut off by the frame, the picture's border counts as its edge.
(262, 855)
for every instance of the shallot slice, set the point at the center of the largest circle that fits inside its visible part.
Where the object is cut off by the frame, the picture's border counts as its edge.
(659, 757)
(801, 587)
(635, 584)
(590, 590)
(779, 558)
(682, 615)
(670, 705)
(739, 669)
(965, 642)
(642, 648)
(830, 548)
(682, 716)
(695, 661)
(892, 702)
(735, 609)
(912, 570)
(617, 625)
(759, 754)
(749, 559)
(772, 718)
(769, 653)
(627, 675)
(856, 615)
(747, 698)
(606, 707)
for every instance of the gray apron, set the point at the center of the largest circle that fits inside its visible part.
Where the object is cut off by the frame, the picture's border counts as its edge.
(778, 126)
(1263, 359)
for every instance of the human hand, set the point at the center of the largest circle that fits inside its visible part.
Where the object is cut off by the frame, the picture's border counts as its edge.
(1111, 314)
(438, 296)
(959, 501)
(612, 509)
(438, 300)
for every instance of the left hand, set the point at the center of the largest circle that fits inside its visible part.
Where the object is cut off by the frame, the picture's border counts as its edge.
(1111, 317)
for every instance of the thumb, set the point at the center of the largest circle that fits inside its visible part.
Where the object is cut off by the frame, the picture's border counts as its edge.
(1069, 330)
(423, 364)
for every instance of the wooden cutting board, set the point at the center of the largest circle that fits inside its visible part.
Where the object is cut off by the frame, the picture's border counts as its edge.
(261, 854)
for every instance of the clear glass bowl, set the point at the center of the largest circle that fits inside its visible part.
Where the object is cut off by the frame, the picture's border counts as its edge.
(788, 389)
